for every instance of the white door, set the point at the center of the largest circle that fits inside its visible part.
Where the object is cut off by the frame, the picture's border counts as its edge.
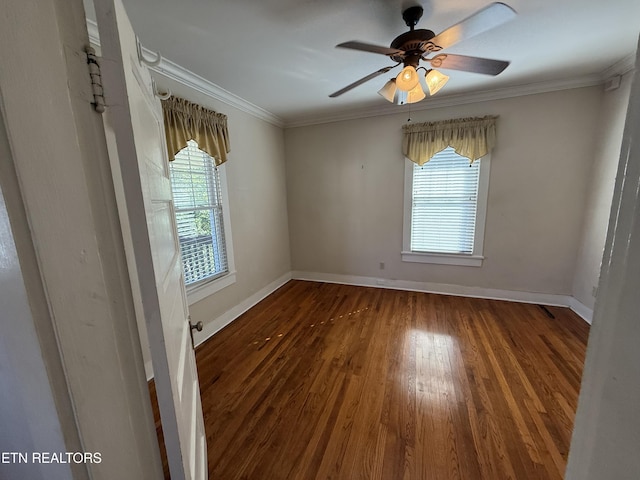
(135, 134)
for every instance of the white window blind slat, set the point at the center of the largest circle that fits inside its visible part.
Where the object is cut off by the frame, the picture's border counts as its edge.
(197, 198)
(444, 204)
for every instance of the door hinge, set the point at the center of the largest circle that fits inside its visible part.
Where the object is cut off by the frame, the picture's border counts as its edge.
(96, 79)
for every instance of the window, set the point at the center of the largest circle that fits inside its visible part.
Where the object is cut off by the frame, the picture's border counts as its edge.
(445, 205)
(200, 206)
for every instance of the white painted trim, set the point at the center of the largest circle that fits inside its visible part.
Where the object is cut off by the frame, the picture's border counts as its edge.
(451, 100)
(148, 370)
(230, 315)
(213, 327)
(175, 72)
(226, 218)
(621, 67)
(217, 324)
(440, 288)
(202, 291)
(581, 309)
(79, 291)
(457, 290)
(407, 205)
(443, 258)
(473, 260)
(179, 74)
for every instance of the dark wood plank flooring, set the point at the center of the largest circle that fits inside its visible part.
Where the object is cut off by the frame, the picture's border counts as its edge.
(327, 381)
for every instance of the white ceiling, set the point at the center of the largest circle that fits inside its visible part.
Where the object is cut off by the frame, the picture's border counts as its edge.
(280, 54)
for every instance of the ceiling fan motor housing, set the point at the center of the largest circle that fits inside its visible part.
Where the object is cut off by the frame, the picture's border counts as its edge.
(412, 16)
(411, 42)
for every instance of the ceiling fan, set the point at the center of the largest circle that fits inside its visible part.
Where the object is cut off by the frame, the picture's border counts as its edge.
(416, 44)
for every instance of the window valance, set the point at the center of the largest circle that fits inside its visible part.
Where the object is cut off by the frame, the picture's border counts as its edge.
(470, 137)
(184, 121)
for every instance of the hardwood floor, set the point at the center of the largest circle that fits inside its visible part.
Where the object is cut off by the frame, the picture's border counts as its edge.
(326, 381)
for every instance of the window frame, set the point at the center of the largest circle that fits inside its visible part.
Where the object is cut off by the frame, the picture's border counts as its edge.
(208, 286)
(475, 259)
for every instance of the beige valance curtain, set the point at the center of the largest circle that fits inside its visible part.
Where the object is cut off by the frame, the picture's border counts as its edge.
(470, 137)
(184, 121)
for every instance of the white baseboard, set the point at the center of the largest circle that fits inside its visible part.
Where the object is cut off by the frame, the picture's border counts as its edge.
(459, 290)
(441, 288)
(211, 328)
(148, 370)
(581, 309)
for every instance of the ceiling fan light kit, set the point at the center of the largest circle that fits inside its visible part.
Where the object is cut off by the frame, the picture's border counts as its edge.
(416, 94)
(391, 93)
(409, 48)
(408, 78)
(435, 80)
(388, 90)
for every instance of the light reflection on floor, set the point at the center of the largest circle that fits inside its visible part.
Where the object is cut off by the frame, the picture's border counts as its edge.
(436, 356)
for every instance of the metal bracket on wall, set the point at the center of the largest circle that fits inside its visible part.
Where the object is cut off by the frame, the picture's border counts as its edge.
(96, 79)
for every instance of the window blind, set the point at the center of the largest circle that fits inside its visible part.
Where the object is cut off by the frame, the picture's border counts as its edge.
(444, 204)
(195, 182)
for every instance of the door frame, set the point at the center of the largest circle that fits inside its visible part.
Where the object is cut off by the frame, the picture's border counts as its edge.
(605, 443)
(59, 154)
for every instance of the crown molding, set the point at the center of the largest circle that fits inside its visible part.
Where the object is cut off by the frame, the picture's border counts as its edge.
(621, 67)
(453, 100)
(173, 71)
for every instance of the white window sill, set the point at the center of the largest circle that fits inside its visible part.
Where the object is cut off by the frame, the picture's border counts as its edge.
(443, 258)
(203, 290)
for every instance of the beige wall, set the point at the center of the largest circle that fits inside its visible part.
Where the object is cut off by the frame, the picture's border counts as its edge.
(257, 203)
(345, 194)
(598, 204)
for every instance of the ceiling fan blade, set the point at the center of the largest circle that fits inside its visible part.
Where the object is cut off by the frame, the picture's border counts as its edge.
(361, 81)
(486, 66)
(367, 47)
(489, 17)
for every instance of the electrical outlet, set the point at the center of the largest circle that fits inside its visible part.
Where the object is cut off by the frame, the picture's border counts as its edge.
(381, 265)
(594, 291)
